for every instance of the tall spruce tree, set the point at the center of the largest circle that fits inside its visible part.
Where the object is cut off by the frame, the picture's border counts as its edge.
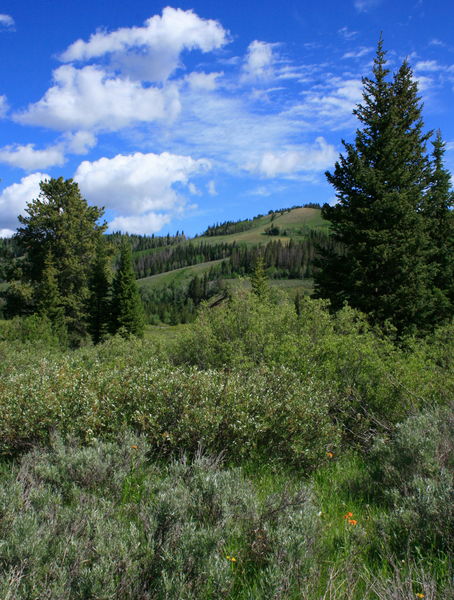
(384, 268)
(259, 280)
(99, 304)
(440, 224)
(127, 310)
(61, 224)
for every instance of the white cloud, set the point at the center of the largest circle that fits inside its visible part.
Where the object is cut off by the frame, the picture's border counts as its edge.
(29, 159)
(152, 52)
(432, 66)
(6, 21)
(346, 33)
(314, 157)
(89, 98)
(366, 5)
(203, 81)
(141, 225)
(138, 184)
(3, 106)
(211, 188)
(80, 142)
(14, 199)
(330, 105)
(437, 42)
(362, 51)
(6, 233)
(259, 61)
(428, 65)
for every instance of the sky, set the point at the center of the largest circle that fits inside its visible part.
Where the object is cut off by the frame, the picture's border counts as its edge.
(176, 117)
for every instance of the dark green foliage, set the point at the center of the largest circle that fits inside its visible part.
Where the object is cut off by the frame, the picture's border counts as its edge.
(259, 280)
(99, 305)
(385, 268)
(48, 300)
(440, 223)
(126, 307)
(61, 223)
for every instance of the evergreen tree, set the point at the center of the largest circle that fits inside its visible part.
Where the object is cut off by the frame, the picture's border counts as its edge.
(383, 269)
(100, 301)
(49, 302)
(61, 223)
(127, 310)
(440, 224)
(259, 280)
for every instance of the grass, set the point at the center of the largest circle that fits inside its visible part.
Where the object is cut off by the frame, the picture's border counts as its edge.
(177, 276)
(297, 218)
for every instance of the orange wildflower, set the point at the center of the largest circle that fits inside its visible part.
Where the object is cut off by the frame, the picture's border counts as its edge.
(352, 521)
(330, 454)
(134, 447)
(348, 515)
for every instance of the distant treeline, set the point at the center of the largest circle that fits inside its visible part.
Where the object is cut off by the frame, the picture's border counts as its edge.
(146, 242)
(230, 227)
(176, 257)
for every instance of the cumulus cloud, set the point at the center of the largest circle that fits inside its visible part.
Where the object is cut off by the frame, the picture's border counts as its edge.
(314, 157)
(6, 233)
(6, 21)
(203, 81)
(136, 186)
(29, 159)
(141, 225)
(80, 142)
(89, 98)
(259, 61)
(152, 52)
(14, 199)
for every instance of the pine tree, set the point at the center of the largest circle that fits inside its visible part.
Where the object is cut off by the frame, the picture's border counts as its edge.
(440, 224)
(259, 280)
(383, 269)
(49, 302)
(127, 310)
(61, 223)
(100, 301)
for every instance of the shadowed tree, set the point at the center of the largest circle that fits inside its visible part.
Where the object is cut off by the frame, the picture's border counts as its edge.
(384, 268)
(127, 310)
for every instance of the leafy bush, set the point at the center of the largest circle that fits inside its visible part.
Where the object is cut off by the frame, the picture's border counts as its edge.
(371, 382)
(98, 392)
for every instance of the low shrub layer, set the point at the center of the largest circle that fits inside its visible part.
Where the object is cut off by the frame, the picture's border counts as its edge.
(88, 395)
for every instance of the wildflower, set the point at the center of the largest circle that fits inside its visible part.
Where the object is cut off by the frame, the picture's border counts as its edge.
(231, 558)
(134, 447)
(330, 454)
(352, 521)
(348, 515)
(419, 595)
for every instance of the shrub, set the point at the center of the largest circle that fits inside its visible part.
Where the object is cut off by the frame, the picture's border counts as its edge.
(98, 392)
(412, 469)
(102, 522)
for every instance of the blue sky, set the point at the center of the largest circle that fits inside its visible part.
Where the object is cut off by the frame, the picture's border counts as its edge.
(174, 117)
